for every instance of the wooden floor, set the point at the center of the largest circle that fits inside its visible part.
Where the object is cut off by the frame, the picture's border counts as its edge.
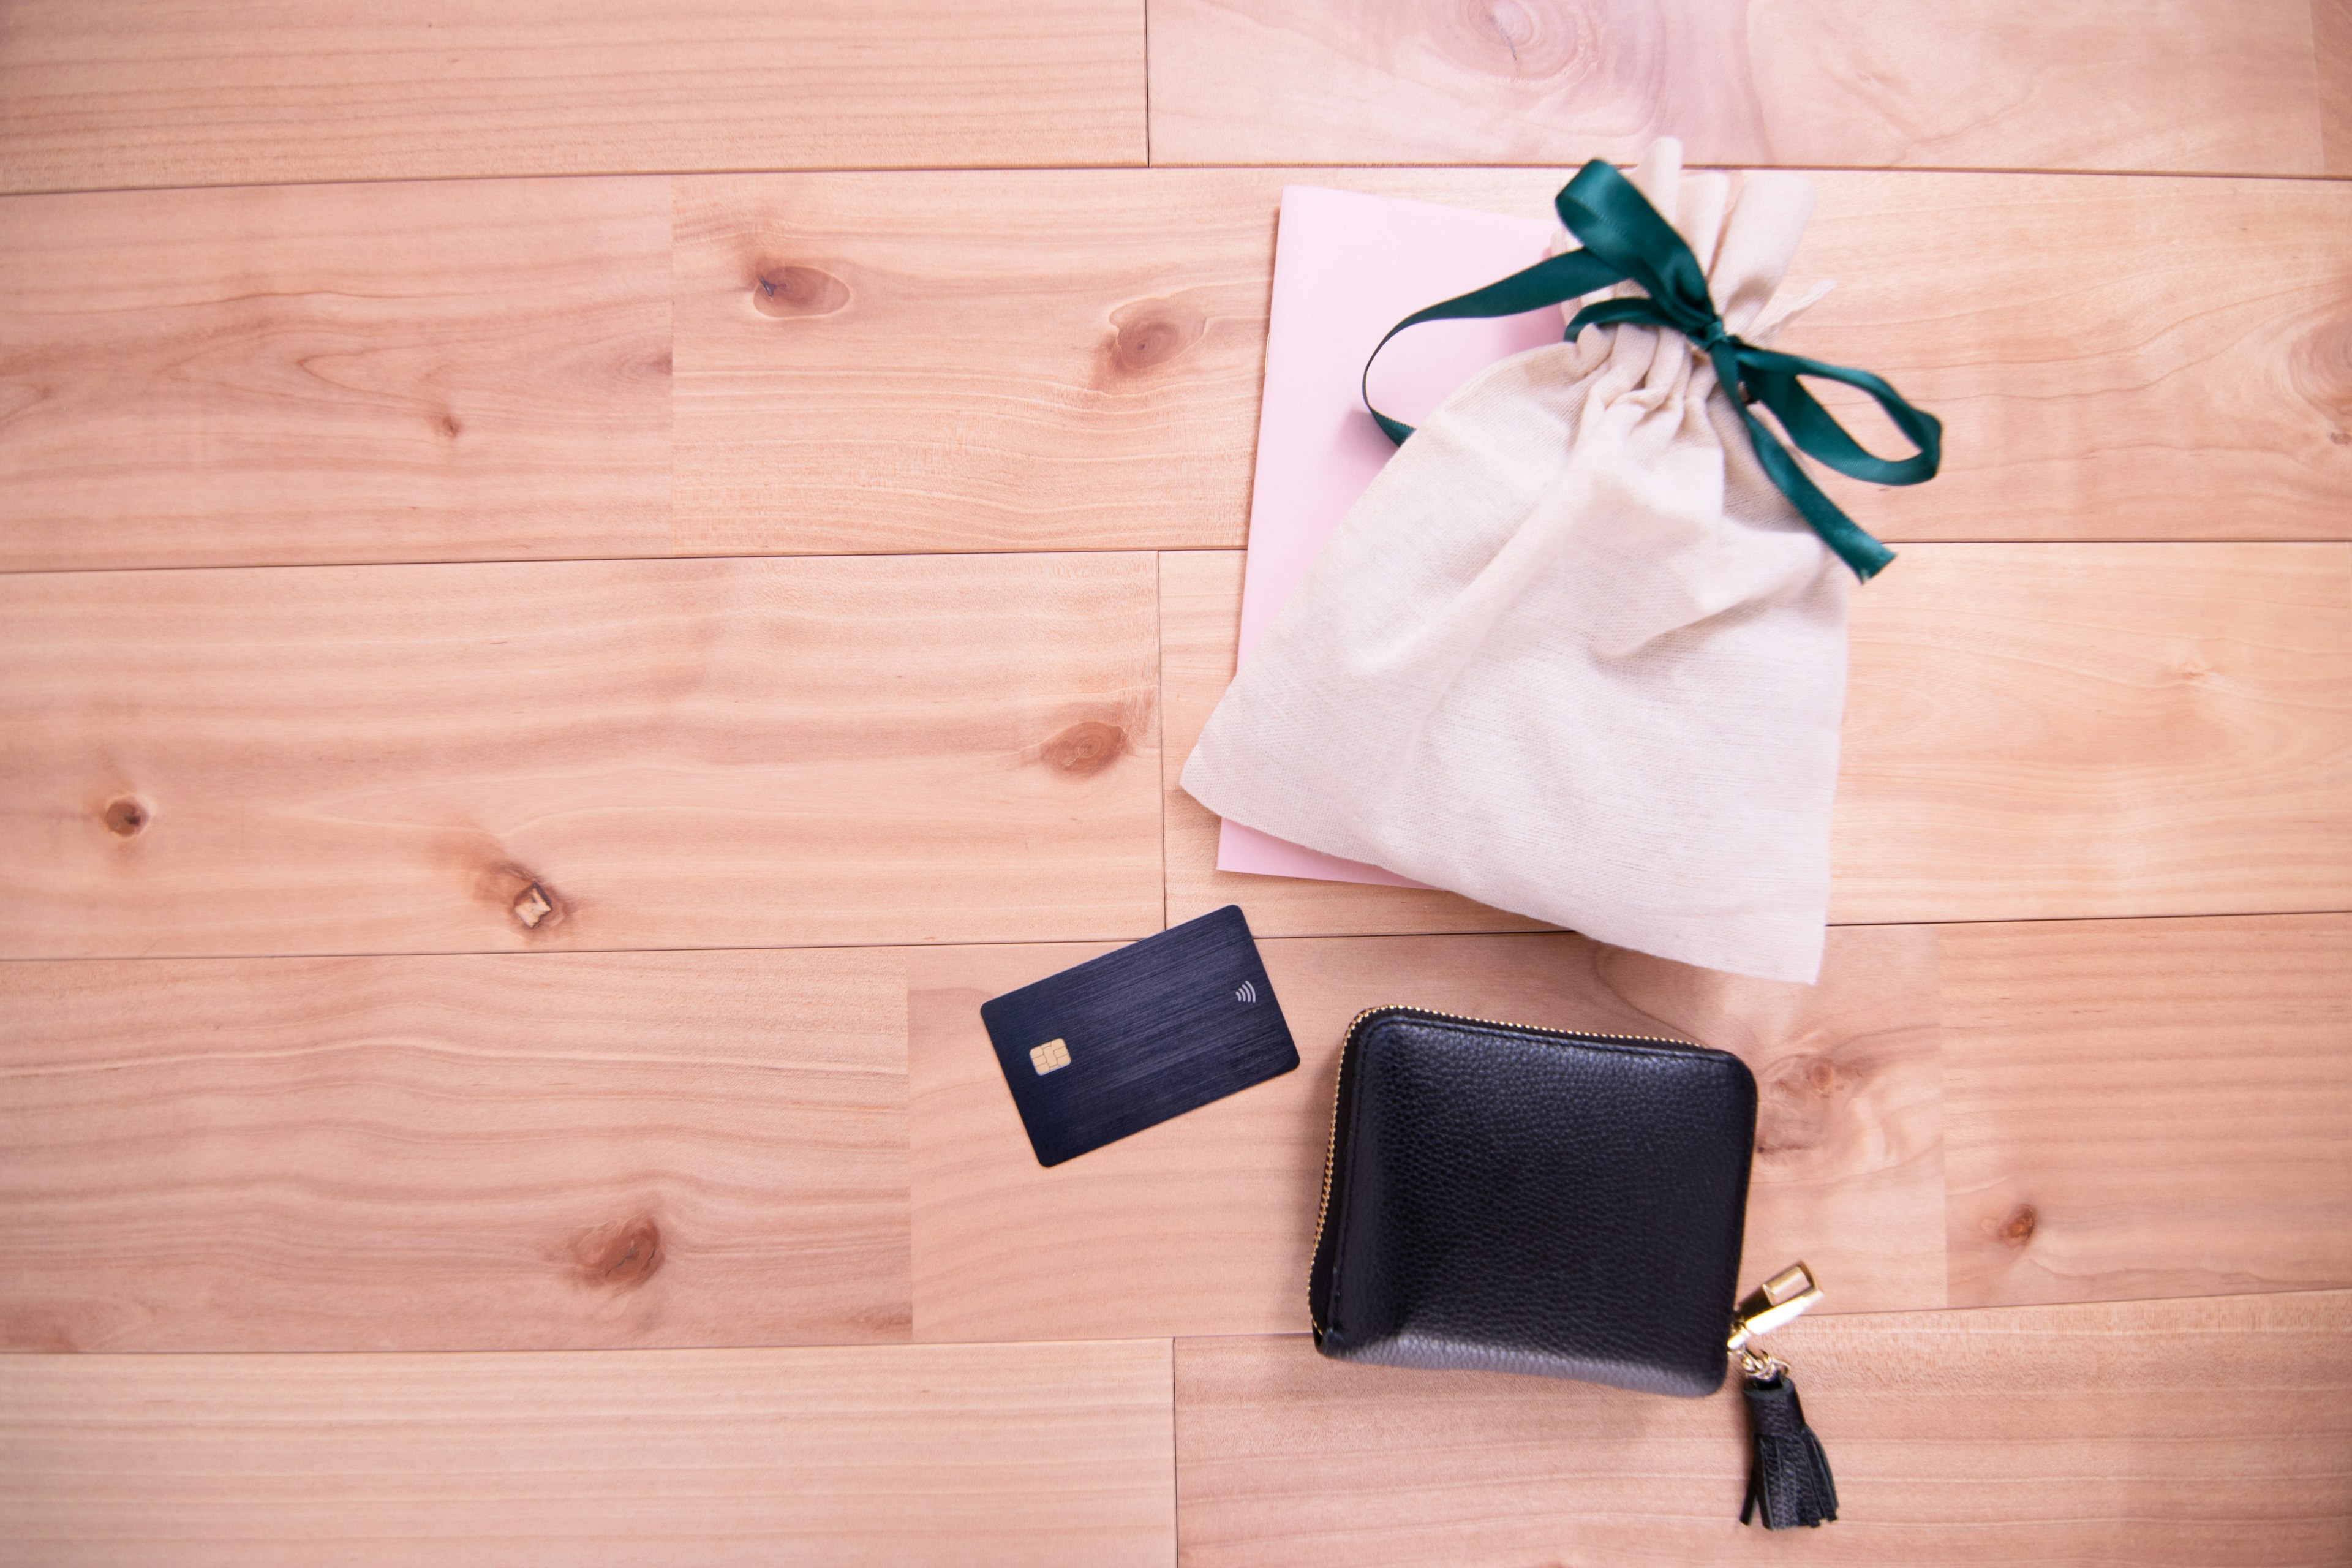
(579, 582)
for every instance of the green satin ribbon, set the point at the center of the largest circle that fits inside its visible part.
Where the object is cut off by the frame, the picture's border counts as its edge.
(1626, 240)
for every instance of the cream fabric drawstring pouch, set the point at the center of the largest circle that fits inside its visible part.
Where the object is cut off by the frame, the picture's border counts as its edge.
(1580, 651)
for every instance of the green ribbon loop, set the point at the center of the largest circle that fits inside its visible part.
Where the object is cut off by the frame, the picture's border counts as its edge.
(1625, 241)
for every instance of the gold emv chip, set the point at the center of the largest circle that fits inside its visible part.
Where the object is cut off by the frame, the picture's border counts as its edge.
(1051, 1056)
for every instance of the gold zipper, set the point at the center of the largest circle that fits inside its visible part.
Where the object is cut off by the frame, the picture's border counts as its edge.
(1331, 1145)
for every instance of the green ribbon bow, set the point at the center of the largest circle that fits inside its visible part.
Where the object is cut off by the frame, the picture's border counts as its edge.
(1625, 239)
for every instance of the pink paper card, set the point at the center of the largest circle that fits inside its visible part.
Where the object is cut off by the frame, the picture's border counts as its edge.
(1347, 267)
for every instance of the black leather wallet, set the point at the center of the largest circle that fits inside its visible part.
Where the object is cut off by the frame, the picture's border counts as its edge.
(1514, 1199)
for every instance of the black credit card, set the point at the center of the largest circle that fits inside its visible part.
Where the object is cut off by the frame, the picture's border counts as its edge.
(1125, 1041)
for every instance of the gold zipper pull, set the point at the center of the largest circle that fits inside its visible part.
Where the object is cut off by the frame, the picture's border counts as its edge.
(1783, 1299)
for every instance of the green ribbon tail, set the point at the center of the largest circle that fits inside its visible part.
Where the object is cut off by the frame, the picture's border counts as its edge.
(1848, 540)
(1772, 377)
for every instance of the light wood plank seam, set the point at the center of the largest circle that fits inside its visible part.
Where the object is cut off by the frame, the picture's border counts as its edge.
(2017, 170)
(698, 173)
(2345, 538)
(984, 169)
(1115, 937)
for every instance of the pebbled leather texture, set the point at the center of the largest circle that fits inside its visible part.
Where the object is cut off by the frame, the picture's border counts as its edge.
(1790, 1483)
(1506, 1199)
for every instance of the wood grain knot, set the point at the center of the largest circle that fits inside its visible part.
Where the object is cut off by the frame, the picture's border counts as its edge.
(1147, 333)
(535, 906)
(619, 1257)
(1797, 1104)
(127, 816)
(450, 427)
(1085, 748)
(532, 905)
(2320, 365)
(2018, 1228)
(786, 291)
(1529, 39)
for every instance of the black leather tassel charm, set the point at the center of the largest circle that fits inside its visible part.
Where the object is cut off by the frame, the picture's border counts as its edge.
(1790, 1483)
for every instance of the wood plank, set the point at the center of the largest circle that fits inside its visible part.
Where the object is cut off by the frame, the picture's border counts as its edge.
(2123, 359)
(2213, 86)
(967, 1453)
(338, 373)
(927, 361)
(1204, 1225)
(2193, 1433)
(2331, 28)
(580, 755)
(1016, 361)
(2047, 731)
(550, 1150)
(988, 362)
(148, 93)
(2032, 732)
(2148, 1108)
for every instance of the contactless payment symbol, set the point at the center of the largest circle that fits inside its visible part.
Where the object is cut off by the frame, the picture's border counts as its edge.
(1245, 993)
